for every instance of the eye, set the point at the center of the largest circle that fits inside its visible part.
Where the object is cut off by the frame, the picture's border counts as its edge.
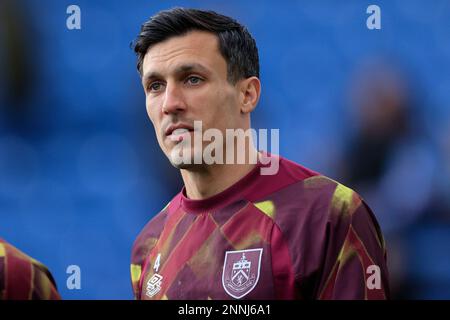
(194, 80)
(155, 86)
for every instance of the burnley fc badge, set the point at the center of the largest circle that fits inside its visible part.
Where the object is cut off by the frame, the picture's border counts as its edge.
(241, 271)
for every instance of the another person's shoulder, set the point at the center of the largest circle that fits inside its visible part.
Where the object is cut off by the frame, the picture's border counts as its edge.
(23, 277)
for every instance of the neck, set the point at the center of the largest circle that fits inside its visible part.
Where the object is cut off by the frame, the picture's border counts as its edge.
(209, 180)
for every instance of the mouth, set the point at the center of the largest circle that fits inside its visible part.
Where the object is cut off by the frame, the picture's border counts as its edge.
(179, 134)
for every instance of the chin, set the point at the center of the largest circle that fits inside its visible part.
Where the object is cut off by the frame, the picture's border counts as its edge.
(187, 164)
(184, 166)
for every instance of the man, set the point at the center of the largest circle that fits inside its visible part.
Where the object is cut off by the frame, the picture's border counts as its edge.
(232, 232)
(23, 278)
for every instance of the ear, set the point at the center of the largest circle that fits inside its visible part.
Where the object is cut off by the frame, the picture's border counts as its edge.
(250, 90)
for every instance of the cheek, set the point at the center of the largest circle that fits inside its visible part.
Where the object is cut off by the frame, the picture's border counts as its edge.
(149, 107)
(152, 111)
(152, 114)
(226, 110)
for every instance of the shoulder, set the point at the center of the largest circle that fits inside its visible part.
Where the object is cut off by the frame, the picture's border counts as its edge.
(149, 235)
(320, 210)
(24, 277)
(302, 199)
(317, 201)
(146, 241)
(19, 259)
(297, 189)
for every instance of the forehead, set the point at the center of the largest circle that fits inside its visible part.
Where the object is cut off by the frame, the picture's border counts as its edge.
(194, 47)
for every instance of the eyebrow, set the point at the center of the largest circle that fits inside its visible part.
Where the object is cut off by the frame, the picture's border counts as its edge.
(184, 68)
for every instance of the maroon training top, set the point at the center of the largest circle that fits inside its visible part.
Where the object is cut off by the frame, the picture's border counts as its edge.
(293, 235)
(24, 278)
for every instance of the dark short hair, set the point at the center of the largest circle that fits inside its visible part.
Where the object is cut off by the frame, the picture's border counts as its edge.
(236, 44)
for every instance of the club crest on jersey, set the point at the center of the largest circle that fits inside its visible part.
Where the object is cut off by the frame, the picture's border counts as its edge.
(241, 271)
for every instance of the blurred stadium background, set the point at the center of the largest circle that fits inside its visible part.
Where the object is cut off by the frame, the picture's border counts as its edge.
(81, 171)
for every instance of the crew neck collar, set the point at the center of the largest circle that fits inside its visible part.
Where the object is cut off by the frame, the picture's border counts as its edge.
(234, 192)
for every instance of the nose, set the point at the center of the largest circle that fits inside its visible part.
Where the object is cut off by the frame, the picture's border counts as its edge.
(173, 100)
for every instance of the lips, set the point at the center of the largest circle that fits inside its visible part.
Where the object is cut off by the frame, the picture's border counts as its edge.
(179, 134)
(170, 129)
(179, 131)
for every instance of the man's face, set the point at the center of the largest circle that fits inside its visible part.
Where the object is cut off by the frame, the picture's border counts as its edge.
(185, 80)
